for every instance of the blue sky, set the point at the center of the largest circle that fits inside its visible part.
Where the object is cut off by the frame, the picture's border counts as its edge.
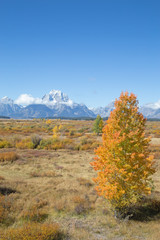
(90, 49)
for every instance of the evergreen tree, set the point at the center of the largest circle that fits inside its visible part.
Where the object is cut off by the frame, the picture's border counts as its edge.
(98, 125)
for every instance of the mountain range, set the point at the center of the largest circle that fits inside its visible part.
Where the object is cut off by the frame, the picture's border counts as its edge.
(56, 104)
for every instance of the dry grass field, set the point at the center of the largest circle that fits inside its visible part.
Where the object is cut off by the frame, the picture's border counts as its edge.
(46, 186)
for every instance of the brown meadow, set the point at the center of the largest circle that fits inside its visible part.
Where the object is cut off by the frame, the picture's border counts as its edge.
(46, 185)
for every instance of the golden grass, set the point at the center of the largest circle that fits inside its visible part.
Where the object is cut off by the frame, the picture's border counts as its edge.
(49, 186)
(34, 232)
(8, 156)
(23, 134)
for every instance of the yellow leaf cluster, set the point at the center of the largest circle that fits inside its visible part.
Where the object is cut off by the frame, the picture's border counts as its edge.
(123, 161)
(56, 130)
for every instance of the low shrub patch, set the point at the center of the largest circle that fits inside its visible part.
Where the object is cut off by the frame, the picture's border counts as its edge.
(25, 144)
(8, 156)
(5, 144)
(34, 231)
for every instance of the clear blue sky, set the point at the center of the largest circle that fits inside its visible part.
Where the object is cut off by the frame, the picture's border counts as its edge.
(89, 49)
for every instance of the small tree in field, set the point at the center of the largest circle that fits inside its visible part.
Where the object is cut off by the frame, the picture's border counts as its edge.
(56, 131)
(123, 160)
(98, 125)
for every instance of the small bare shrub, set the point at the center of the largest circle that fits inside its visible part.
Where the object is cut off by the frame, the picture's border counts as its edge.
(36, 139)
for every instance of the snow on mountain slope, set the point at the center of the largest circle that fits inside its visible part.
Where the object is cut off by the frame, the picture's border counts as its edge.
(104, 111)
(53, 104)
(8, 108)
(6, 100)
(58, 104)
(56, 97)
(151, 110)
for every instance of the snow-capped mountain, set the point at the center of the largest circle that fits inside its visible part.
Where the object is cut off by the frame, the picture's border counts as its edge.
(58, 104)
(6, 100)
(8, 108)
(104, 111)
(151, 110)
(56, 97)
(63, 106)
(53, 104)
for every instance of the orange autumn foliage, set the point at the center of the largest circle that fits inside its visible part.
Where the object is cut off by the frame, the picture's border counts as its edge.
(123, 161)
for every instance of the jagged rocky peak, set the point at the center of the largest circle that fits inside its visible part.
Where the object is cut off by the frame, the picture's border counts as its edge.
(58, 104)
(6, 100)
(110, 105)
(56, 96)
(104, 111)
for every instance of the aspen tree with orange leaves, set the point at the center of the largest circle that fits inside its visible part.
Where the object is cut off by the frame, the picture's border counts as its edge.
(123, 161)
